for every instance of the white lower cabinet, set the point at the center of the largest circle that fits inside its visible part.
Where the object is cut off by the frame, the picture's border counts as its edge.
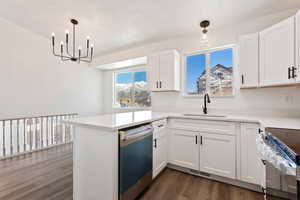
(160, 151)
(252, 168)
(184, 148)
(218, 155)
(207, 152)
(224, 149)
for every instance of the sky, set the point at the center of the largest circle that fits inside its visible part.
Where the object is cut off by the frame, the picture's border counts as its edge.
(127, 77)
(196, 65)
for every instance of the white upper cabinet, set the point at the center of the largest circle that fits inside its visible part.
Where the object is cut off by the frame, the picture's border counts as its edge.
(153, 64)
(249, 60)
(164, 71)
(297, 69)
(252, 168)
(277, 53)
(218, 155)
(184, 148)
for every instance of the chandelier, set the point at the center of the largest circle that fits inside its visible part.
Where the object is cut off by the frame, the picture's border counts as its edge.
(65, 55)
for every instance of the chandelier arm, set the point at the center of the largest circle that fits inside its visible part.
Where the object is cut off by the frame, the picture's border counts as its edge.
(69, 55)
(86, 56)
(57, 55)
(53, 51)
(87, 61)
(66, 59)
(67, 50)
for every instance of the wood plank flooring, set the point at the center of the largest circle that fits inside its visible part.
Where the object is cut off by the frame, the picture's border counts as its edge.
(47, 175)
(174, 185)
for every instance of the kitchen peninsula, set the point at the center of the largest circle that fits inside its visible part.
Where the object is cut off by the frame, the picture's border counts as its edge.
(96, 147)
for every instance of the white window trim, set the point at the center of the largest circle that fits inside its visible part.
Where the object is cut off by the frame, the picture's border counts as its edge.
(207, 67)
(129, 69)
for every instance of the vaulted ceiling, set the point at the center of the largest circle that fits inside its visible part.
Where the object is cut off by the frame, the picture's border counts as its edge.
(119, 24)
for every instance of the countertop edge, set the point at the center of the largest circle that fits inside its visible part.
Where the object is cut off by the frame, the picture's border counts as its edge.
(263, 121)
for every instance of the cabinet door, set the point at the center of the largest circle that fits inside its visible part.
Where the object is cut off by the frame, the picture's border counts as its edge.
(153, 65)
(162, 151)
(169, 70)
(155, 154)
(184, 148)
(218, 155)
(277, 53)
(298, 47)
(252, 168)
(249, 62)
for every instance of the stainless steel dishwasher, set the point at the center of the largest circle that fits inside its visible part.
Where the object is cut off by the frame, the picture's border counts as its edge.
(135, 160)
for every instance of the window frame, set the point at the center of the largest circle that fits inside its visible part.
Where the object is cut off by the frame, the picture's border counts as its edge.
(206, 52)
(126, 70)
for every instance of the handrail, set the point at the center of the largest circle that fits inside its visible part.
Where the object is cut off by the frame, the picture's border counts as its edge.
(39, 116)
(27, 134)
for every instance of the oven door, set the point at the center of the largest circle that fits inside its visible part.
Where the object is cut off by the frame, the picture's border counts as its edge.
(280, 171)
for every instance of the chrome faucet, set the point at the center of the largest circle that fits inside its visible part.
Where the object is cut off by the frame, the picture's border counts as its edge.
(206, 100)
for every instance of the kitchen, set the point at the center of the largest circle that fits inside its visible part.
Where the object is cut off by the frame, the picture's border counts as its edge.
(202, 99)
(194, 140)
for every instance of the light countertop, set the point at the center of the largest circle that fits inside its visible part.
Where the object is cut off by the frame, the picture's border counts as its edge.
(123, 120)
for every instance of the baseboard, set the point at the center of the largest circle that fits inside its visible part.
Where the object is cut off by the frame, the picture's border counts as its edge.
(234, 182)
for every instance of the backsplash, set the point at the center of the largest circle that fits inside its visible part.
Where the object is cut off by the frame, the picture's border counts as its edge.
(266, 101)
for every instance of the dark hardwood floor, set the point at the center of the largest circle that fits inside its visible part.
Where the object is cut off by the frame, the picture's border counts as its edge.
(47, 175)
(174, 185)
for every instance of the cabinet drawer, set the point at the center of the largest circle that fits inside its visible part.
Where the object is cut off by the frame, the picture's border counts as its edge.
(207, 126)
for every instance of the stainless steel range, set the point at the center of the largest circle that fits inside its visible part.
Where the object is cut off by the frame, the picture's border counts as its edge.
(280, 149)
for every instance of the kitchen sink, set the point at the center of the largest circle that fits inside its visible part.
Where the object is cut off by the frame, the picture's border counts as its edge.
(202, 115)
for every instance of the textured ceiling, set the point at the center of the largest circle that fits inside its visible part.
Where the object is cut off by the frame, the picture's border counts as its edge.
(119, 24)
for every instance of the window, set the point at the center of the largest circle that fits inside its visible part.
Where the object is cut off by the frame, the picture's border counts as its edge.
(210, 71)
(131, 89)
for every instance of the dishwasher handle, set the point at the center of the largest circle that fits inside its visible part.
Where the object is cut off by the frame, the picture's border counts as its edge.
(136, 135)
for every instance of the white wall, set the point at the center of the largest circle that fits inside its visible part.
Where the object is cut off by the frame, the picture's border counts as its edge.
(284, 101)
(33, 82)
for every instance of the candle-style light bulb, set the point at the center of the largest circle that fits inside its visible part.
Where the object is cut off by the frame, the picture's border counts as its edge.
(79, 53)
(92, 50)
(67, 36)
(61, 48)
(53, 38)
(88, 42)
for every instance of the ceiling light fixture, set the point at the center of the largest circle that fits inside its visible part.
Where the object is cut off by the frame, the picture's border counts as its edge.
(204, 25)
(73, 56)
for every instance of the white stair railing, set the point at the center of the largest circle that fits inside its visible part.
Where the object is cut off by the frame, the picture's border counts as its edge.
(28, 134)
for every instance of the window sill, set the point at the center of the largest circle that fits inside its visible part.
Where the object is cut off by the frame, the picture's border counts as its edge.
(131, 108)
(212, 97)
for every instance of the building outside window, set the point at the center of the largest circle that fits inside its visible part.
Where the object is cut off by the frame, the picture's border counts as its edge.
(131, 89)
(210, 71)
